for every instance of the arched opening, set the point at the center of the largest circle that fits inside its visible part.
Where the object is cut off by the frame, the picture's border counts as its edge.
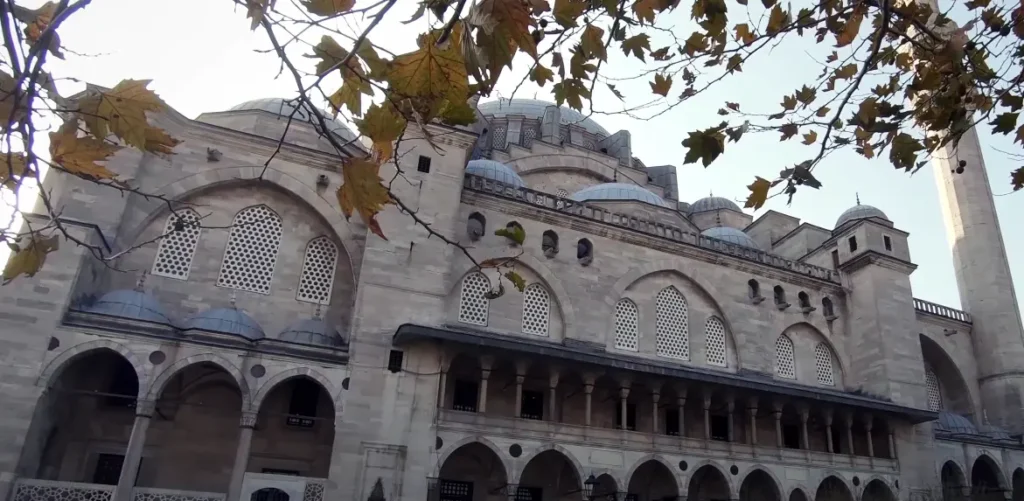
(708, 484)
(986, 481)
(797, 495)
(759, 486)
(876, 490)
(753, 289)
(96, 387)
(780, 296)
(295, 430)
(1018, 484)
(472, 472)
(476, 226)
(653, 481)
(269, 494)
(954, 484)
(805, 300)
(549, 243)
(584, 251)
(605, 489)
(462, 390)
(832, 489)
(952, 388)
(827, 308)
(550, 476)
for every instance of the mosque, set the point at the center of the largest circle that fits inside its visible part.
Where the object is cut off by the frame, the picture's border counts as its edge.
(251, 344)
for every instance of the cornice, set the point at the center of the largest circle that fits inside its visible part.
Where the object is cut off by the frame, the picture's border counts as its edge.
(871, 257)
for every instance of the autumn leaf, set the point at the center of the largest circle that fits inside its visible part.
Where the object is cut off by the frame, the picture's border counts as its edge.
(849, 32)
(567, 11)
(810, 137)
(328, 7)
(513, 232)
(705, 145)
(903, 152)
(256, 10)
(846, 72)
(383, 126)
(615, 91)
(159, 141)
(637, 45)
(777, 20)
(696, 43)
(1019, 137)
(504, 25)
(644, 9)
(822, 112)
(1004, 123)
(457, 113)
(331, 55)
(37, 22)
(542, 74)
(743, 34)
(571, 91)
(430, 75)
(349, 96)
(1017, 178)
(27, 259)
(758, 193)
(517, 280)
(78, 155)
(10, 113)
(121, 111)
(789, 103)
(592, 43)
(12, 173)
(661, 85)
(363, 192)
(788, 131)
(806, 95)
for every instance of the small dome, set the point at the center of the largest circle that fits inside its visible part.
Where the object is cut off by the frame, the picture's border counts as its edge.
(534, 109)
(995, 432)
(312, 331)
(731, 235)
(130, 304)
(955, 423)
(226, 321)
(495, 171)
(859, 212)
(618, 191)
(284, 108)
(713, 203)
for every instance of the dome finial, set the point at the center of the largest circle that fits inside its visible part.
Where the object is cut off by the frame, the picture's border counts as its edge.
(858, 198)
(141, 283)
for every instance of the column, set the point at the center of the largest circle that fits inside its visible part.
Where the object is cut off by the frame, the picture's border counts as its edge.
(481, 406)
(655, 397)
(246, 425)
(553, 394)
(623, 397)
(588, 392)
(519, 394)
(848, 422)
(868, 424)
(752, 412)
(777, 413)
(828, 431)
(892, 442)
(681, 401)
(805, 444)
(731, 432)
(442, 388)
(707, 417)
(133, 456)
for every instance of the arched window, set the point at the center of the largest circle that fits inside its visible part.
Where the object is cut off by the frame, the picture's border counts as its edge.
(627, 325)
(805, 300)
(714, 337)
(473, 299)
(785, 365)
(174, 255)
(826, 307)
(318, 268)
(753, 289)
(251, 253)
(823, 363)
(549, 243)
(672, 333)
(780, 296)
(584, 251)
(536, 310)
(476, 226)
(934, 390)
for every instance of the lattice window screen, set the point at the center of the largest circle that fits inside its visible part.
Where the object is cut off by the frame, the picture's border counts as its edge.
(563, 133)
(785, 366)
(251, 254)
(473, 302)
(672, 334)
(499, 138)
(318, 267)
(536, 310)
(823, 362)
(627, 325)
(176, 250)
(561, 193)
(528, 136)
(934, 393)
(714, 337)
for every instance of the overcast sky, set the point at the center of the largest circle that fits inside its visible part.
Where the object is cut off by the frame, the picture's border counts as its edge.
(202, 57)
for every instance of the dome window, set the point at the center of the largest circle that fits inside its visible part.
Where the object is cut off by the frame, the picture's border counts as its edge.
(476, 226)
(780, 297)
(584, 252)
(549, 243)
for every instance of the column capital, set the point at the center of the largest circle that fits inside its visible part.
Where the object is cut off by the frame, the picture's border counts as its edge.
(486, 362)
(588, 388)
(624, 392)
(707, 401)
(520, 378)
(553, 378)
(485, 374)
(145, 408)
(752, 403)
(656, 397)
(248, 419)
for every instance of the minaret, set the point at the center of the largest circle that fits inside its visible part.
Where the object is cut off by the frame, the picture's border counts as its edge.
(983, 277)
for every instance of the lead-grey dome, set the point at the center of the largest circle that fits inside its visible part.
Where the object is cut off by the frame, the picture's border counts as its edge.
(130, 304)
(618, 191)
(284, 108)
(226, 321)
(859, 211)
(534, 109)
(955, 423)
(731, 235)
(496, 171)
(312, 331)
(713, 203)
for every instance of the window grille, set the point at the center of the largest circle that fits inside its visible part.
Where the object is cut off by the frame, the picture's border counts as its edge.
(785, 366)
(561, 193)
(251, 253)
(500, 133)
(823, 362)
(317, 279)
(714, 336)
(627, 322)
(528, 136)
(671, 330)
(536, 310)
(934, 391)
(178, 247)
(473, 301)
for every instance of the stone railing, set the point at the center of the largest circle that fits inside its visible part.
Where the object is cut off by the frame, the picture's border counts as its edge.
(152, 494)
(660, 230)
(941, 311)
(26, 489)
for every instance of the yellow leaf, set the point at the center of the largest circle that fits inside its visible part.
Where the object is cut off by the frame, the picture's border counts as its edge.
(507, 20)
(430, 75)
(36, 23)
(849, 31)
(566, 12)
(661, 84)
(644, 9)
(257, 9)
(78, 155)
(12, 173)
(592, 43)
(159, 141)
(777, 20)
(696, 43)
(363, 192)
(328, 7)
(121, 111)
(28, 259)
(541, 74)
(9, 111)
(369, 55)
(383, 126)
(347, 95)
(758, 193)
(810, 137)
(743, 34)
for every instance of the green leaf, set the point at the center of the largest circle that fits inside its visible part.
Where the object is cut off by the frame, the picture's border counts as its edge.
(513, 232)
(903, 153)
(516, 279)
(705, 145)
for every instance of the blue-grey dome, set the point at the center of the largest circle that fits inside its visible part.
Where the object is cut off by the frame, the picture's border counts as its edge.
(618, 191)
(496, 171)
(131, 304)
(731, 235)
(955, 423)
(859, 212)
(995, 432)
(534, 109)
(284, 108)
(312, 331)
(713, 203)
(226, 321)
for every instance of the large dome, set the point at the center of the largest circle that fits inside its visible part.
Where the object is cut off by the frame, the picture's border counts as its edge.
(859, 212)
(534, 109)
(312, 331)
(284, 108)
(618, 191)
(495, 171)
(226, 321)
(713, 203)
(731, 235)
(130, 304)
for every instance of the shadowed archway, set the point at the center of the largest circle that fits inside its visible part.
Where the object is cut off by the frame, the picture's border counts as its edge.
(708, 484)
(832, 489)
(876, 490)
(759, 486)
(550, 476)
(954, 484)
(472, 472)
(653, 481)
(986, 481)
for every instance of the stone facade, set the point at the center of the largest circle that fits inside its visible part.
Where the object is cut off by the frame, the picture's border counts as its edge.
(661, 349)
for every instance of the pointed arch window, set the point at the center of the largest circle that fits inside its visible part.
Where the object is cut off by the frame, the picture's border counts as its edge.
(473, 303)
(627, 325)
(714, 337)
(318, 267)
(934, 390)
(823, 363)
(251, 253)
(536, 310)
(178, 246)
(785, 365)
(671, 330)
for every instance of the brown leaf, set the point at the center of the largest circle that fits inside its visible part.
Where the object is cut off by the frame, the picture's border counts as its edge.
(592, 43)
(1017, 178)
(12, 173)
(851, 29)
(78, 155)
(788, 131)
(661, 84)
(567, 11)
(758, 193)
(362, 191)
(810, 137)
(328, 7)
(27, 259)
(743, 34)
(10, 113)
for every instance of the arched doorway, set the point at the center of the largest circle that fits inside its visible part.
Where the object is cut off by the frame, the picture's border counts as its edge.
(954, 484)
(98, 386)
(550, 476)
(832, 489)
(653, 481)
(295, 427)
(986, 481)
(708, 484)
(606, 488)
(1018, 484)
(876, 490)
(797, 495)
(759, 486)
(473, 472)
(269, 494)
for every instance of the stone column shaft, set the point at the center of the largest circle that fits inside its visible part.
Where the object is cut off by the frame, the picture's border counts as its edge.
(246, 425)
(481, 407)
(133, 456)
(519, 395)
(588, 390)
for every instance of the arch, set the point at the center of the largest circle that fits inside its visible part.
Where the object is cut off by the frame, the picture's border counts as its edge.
(797, 494)
(833, 488)
(469, 440)
(627, 325)
(648, 458)
(283, 377)
(780, 295)
(549, 243)
(476, 226)
(955, 393)
(952, 481)
(709, 482)
(606, 489)
(536, 310)
(253, 246)
(546, 448)
(478, 468)
(1017, 483)
(840, 366)
(877, 490)
(319, 266)
(759, 484)
(270, 494)
(785, 359)
(52, 370)
(824, 361)
(652, 480)
(753, 289)
(161, 379)
(176, 250)
(805, 300)
(987, 480)
(555, 471)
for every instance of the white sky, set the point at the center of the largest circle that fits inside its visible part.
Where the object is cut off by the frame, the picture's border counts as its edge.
(202, 57)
